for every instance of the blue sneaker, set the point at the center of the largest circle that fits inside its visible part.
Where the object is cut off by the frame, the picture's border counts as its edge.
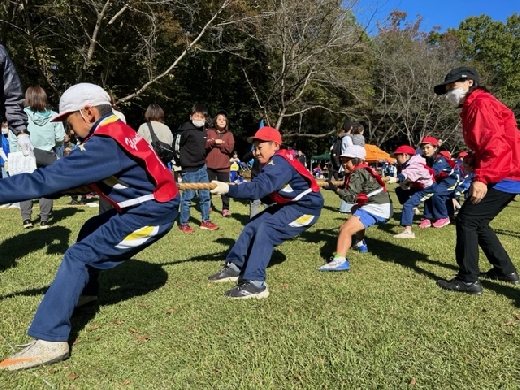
(363, 248)
(335, 266)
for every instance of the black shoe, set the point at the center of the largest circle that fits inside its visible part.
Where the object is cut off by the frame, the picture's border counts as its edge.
(496, 274)
(74, 202)
(27, 224)
(226, 274)
(44, 225)
(247, 290)
(461, 286)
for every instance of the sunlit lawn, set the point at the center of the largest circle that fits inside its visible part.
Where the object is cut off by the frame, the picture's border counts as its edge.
(161, 325)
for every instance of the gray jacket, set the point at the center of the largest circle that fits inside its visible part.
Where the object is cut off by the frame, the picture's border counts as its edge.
(12, 96)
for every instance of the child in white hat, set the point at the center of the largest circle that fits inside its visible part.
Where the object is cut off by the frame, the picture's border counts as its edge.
(364, 187)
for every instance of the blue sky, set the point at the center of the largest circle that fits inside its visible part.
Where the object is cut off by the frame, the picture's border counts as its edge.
(444, 13)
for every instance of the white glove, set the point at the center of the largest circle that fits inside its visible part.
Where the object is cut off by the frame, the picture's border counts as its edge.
(392, 179)
(220, 189)
(25, 143)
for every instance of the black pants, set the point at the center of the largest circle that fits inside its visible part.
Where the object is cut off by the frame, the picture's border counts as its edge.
(220, 176)
(473, 230)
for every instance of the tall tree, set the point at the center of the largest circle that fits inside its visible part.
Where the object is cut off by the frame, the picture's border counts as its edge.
(310, 46)
(407, 66)
(494, 48)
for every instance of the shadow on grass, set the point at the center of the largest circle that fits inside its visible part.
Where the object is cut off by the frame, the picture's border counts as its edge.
(277, 257)
(387, 251)
(507, 233)
(384, 250)
(130, 279)
(65, 212)
(55, 239)
(509, 291)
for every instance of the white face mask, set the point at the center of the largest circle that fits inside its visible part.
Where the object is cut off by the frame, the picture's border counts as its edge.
(5, 130)
(198, 123)
(455, 96)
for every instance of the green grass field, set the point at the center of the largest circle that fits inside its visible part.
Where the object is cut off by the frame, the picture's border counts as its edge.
(161, 325)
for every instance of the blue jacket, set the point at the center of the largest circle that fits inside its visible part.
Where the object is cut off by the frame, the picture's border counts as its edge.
(279, 176)
(99, 160)
(444, 171)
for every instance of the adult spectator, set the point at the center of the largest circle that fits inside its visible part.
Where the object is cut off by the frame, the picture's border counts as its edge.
(12, 99)
(192, 159)
(220, 144)
(335, 153)
(45, 135)
(302, 158)
(489, 129)
(154, 116)
(346, 140)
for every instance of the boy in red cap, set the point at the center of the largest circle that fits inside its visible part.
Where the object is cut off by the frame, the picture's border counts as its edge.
(296, 205)
(439, 207)
(364, 187)
(416, 184)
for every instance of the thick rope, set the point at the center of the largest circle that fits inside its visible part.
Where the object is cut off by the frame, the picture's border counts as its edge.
(210, 186)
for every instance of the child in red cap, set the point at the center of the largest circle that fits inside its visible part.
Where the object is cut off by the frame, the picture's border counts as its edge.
(439, 207)
(416, 184)
(296, 205)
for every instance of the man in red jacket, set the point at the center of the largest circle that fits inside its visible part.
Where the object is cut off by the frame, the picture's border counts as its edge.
(489, 129)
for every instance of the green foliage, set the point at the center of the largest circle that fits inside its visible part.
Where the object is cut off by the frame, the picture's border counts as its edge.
(494, 47)
(303, 65)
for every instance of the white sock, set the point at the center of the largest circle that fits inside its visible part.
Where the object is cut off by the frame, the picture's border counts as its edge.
(339, 259)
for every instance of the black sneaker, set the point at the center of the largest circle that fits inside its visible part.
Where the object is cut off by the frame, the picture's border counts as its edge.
(44, 225)
(461, 286)
(247, 290)
(496, 274)
(226, 274)
(74, 202)
(27, 224)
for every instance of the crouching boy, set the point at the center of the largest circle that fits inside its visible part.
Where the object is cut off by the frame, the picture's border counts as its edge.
(364, 187)
(120, 166)
(296, 205)
(416, 184)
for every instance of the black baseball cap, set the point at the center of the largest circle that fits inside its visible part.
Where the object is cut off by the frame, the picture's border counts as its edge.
(221, 112)
(462, 73)
(348, 124)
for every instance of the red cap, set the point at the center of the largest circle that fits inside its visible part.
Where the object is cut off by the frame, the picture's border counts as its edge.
(405, 149)
(445, 154)
(463, 154)
(267, 133)
(430, 140)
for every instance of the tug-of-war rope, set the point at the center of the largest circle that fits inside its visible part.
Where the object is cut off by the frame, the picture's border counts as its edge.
(210, 186)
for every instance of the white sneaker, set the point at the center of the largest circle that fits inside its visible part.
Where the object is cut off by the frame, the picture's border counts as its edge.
(405, 234)
(36, 353)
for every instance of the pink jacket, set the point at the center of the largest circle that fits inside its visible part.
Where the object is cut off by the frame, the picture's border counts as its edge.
(416, 171)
